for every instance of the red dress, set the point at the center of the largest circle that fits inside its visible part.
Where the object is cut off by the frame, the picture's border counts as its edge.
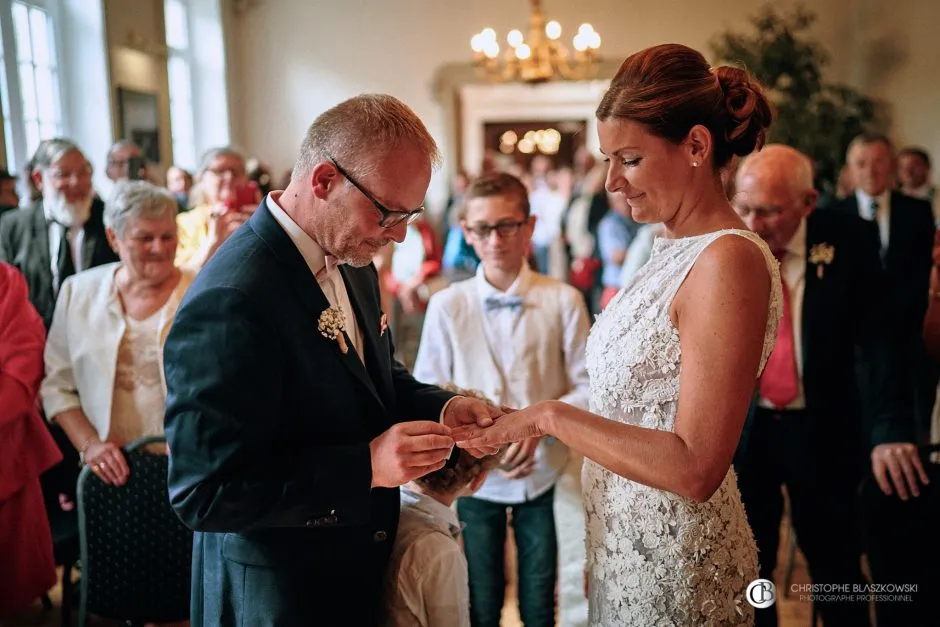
(27, 568)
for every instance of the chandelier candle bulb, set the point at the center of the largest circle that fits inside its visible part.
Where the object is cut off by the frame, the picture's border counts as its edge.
(537, 56)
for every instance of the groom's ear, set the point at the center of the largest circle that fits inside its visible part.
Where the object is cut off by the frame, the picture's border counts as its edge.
(323, 177)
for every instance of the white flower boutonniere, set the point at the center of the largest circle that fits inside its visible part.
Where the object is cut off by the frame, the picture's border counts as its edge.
(822, 255)
(332, 325)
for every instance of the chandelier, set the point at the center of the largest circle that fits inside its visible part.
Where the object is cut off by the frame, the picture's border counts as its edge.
(539, 58)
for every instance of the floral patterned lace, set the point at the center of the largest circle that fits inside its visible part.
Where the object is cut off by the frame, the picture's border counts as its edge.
(656, 558)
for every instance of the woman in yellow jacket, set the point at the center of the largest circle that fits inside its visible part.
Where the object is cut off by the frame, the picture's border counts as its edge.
(221, 207)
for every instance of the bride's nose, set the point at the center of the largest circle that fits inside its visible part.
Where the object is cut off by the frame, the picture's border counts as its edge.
(615, 181)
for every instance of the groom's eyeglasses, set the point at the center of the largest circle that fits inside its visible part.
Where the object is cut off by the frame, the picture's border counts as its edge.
(389, 218)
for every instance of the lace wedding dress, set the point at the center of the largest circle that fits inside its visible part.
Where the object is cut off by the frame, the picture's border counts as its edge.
(653, 557)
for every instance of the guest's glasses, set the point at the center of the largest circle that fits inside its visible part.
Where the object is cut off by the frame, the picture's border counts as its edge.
(504, 229)
(389, 218)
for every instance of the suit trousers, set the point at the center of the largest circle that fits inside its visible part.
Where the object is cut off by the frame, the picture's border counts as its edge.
(782, 451)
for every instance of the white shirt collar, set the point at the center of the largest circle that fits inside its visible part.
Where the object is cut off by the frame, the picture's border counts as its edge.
(518, 287)
(864, 199)
(309, 249)
(432, 508)
(797, 244)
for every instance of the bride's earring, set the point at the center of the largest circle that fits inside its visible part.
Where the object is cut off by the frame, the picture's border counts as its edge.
(695, 164)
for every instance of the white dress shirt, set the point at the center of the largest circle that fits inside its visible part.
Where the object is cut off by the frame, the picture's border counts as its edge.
(515, 357)
(427, 582)
(793, 272)
(884, 212)
(330, 280)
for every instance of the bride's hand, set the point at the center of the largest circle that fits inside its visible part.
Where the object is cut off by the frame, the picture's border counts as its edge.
(511, 427)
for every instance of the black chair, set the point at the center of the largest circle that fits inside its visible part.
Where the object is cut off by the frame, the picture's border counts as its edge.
(136, 555)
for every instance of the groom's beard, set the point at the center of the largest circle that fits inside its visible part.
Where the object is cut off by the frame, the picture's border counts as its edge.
(66, 213)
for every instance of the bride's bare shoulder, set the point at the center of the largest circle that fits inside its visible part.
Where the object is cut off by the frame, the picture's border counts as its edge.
(733, 266)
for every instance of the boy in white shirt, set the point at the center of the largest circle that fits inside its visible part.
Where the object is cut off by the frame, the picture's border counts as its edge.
(427, 577)
(519, 337)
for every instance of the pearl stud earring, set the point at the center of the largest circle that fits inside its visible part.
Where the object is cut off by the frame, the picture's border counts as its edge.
(695, 164)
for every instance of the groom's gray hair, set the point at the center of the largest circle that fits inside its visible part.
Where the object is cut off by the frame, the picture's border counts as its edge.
(360, 132)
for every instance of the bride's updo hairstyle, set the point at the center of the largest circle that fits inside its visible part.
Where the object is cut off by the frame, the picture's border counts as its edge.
(670, 88)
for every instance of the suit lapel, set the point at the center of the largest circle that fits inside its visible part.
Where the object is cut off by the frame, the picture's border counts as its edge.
(812, 291)
(40, 259)
(376, 354)
(309, 291)
(94, 237)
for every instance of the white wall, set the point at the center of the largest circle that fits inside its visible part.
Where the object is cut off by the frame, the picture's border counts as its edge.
(292, 59)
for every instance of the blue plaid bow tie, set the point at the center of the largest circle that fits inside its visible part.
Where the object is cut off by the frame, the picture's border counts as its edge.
(513, 303)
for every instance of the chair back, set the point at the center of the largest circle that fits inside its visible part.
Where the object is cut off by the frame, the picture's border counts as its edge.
(136, 554)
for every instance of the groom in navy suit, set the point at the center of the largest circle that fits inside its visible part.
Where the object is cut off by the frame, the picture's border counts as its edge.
(289, 421)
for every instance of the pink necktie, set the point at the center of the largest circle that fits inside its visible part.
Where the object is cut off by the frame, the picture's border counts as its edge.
(780, 383)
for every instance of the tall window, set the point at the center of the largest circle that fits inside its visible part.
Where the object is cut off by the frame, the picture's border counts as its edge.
(29, 77)
(179, 69)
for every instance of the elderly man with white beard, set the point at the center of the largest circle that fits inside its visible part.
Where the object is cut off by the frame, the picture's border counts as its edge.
(61, 233)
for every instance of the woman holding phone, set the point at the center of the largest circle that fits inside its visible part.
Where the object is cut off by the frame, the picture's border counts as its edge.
(227, 201)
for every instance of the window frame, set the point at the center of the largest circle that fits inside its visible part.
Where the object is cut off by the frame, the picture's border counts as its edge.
(13, 86)
(186, 56)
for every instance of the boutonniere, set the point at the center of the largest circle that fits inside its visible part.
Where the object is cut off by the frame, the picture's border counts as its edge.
(822, 255)
(332, 324)
(383, 324)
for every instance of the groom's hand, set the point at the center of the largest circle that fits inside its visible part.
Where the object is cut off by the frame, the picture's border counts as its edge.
(407, 451)
(463, 411)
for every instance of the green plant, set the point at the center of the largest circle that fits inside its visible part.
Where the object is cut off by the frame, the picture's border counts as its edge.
(814, 116)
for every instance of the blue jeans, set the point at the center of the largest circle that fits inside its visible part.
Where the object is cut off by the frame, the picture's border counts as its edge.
(484, 537)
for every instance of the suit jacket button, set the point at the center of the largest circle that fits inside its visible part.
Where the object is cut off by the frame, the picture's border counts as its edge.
(380, 536)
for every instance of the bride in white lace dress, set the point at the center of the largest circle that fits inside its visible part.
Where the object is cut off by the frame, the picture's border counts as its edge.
(675, 357)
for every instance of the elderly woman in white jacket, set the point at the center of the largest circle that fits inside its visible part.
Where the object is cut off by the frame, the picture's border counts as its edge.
(104, 369)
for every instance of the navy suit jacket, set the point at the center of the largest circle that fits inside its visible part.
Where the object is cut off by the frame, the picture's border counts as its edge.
(907, 259)
(268, 425)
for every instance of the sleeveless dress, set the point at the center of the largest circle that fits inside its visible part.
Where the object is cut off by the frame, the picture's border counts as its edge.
(654, 557)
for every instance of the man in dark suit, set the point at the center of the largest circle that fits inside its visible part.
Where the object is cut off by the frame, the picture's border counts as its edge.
(813, 423)
(66, 224)
(905, 228)
(289, 420)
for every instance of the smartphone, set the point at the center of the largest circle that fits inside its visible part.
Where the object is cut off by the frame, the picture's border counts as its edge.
(137, 168)
(244, 194)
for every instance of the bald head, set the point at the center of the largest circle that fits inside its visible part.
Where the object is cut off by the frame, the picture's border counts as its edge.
(781, 164)
(774, 193)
